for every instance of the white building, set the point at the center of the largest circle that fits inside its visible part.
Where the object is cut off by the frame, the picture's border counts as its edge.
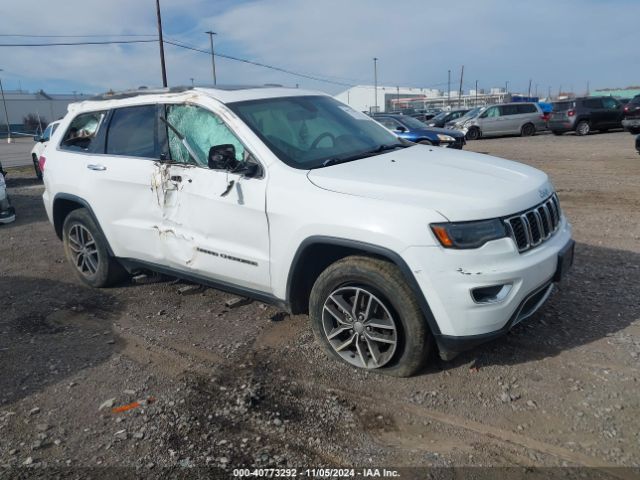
(364, 98)
(21, 103)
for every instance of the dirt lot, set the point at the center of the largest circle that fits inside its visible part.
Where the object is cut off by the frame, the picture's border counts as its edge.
(249, 387)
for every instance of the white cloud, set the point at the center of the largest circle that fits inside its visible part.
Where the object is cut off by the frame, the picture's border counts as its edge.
(416, 42)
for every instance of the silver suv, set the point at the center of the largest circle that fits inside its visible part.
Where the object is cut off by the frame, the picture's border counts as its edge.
(507, 119)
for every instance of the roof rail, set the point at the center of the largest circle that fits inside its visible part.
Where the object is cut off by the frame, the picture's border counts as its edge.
(111, 95)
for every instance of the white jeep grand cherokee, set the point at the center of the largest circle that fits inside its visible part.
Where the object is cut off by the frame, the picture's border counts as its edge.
(296, 199)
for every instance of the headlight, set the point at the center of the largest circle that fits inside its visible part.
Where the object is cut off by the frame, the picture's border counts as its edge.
(468, 234)
(446, 138)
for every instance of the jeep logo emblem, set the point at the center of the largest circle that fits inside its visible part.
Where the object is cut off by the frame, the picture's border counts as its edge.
(543, 192)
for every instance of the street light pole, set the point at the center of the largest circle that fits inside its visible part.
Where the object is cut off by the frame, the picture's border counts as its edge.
(6, 114)
(161, 41)
(375, 83)
(213, 58)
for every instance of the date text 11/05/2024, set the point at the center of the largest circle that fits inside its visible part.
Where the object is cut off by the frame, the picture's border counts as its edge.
(316, 473)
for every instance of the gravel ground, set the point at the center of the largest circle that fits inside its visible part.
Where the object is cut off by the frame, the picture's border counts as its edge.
(248, 386)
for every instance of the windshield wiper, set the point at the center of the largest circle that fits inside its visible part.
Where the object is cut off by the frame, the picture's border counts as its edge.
(358, 156)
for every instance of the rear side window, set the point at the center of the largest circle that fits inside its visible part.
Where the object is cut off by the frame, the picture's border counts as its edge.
(527, 108)
(593, 103)
(610, 103)
(563, 106)
(82, 131)
(509, 109)
(133, 132)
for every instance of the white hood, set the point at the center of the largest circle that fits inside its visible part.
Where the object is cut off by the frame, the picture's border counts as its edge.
(460, 185)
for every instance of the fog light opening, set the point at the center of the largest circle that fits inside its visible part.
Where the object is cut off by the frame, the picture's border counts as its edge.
(492, 294)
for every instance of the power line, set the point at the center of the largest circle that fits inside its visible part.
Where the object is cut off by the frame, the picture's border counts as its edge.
(64, 44)
(258, 64)
(76, 36)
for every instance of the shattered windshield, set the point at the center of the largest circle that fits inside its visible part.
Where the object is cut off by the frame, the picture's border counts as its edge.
(311, 131)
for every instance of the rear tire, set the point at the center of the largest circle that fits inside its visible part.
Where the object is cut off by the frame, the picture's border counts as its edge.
(364, 313)
(86, 250)
(426, 142)
(527, 130)
(36, 167)
(583, 128)
(473, 133)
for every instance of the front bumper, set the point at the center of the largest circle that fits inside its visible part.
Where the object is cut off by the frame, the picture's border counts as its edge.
(447, 278)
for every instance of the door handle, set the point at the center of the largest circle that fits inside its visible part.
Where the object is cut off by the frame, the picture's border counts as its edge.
(98, 168)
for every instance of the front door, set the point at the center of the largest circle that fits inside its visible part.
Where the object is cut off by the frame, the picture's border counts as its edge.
(215, 223)
(490, 121)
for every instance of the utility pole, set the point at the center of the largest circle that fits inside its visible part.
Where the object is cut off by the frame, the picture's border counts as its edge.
(549, 93)
(398, 95)
(506, 87)
(375, 83)
(162, 64)
(6, 115)
(476, 102)
(529, 95)
(588, 91)
(460, 89)
(448, 87)
(536, 94)
(191, 81)
(213, 57)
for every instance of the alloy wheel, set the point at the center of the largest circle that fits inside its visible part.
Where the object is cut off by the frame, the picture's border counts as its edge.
(359, 327)
(83, 250)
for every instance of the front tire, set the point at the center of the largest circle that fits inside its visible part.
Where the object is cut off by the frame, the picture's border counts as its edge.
(364, 313)
(473, 133)
(583, 128)
(86, 250)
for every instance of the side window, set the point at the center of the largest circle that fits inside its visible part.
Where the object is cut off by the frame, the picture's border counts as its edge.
(202, 130)
(133, 132)
(509, 109)
(492, 112)
(390, 123)
(82, 131)
(46, 135)
(610, 103)
(526, 108)
(593, 103)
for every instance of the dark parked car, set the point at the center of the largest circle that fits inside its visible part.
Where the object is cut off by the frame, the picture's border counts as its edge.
(409, 128)
(631, 112)
(585, 114)
(442, 118)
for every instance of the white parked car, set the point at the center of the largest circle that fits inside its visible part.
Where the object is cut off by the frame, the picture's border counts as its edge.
(7, 212)
(41, 143)
(293, 198)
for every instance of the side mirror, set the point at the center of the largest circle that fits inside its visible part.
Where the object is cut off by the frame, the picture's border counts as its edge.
(36, 138)
(401, 129)
(222, 157)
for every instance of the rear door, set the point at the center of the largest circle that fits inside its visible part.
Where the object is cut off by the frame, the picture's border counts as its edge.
(120, 180)
(612, 112)
(596, 112)
(511, 120)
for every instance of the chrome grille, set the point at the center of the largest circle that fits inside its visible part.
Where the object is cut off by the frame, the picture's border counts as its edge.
(532, 227)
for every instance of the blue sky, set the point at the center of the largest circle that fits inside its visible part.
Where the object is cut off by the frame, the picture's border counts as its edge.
(554, 43)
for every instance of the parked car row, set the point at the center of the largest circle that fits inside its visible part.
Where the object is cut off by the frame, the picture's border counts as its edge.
(416, 131)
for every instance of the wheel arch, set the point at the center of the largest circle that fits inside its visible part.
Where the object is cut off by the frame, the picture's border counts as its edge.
(316, 253)
(64, 204)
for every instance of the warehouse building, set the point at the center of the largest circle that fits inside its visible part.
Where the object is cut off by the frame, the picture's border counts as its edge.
(45, 106)
(364, 98)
